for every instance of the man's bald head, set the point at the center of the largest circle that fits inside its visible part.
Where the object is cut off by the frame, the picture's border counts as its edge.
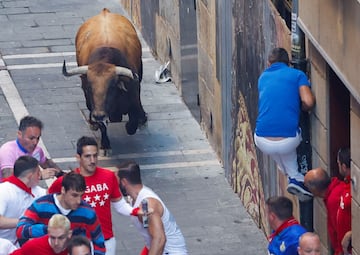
(309, 243)
(317, 181)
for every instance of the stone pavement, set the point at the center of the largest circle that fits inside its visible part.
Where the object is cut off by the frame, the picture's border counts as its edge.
(174, 155)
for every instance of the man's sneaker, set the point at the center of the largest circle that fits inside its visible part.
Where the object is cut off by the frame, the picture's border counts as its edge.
(298, 189)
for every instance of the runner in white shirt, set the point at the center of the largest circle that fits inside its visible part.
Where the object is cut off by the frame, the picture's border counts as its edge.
(162, 235)
(17, 192)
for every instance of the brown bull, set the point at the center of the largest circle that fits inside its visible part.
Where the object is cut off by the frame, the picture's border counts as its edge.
(108, 54)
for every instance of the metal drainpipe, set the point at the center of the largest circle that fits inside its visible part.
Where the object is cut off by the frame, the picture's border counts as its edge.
(299, 61)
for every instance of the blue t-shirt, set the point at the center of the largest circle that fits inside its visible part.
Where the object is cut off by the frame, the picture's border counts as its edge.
(279, 101)
(287, 241)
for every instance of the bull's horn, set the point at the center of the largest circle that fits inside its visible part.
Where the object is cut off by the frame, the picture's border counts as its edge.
(74, 71)
(124, 71)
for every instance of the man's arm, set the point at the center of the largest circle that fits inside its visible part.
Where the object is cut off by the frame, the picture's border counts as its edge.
(6, 223)
(50, 169)
(156, 228)
(96, 234)
(121, 206)
(49, 163)
(307, 98)
(29, 225)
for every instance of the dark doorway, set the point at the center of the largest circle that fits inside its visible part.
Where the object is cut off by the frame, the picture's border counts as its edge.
(339, 106)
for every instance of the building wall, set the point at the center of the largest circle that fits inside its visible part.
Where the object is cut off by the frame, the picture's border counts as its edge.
(257, 29)
(335, 36)
(319, 134)
(209, 87)
(355, 172)
(333, 43)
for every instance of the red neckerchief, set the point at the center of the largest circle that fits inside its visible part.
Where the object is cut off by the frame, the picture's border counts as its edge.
(17, 182)
(289, 222)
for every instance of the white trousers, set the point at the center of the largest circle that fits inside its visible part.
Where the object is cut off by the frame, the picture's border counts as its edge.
(283, 152)
(110, 246)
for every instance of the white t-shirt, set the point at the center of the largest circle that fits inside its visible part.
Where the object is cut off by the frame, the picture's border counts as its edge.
(13, 203)
(175, 242)
(6, 247)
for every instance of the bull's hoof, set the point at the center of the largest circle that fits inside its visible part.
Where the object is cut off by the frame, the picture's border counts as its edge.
(94, 126)
(143, 120)
(105, 152)
(130, 129)
(143, 126)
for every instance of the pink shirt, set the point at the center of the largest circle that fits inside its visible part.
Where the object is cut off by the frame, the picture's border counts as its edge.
(10, 152)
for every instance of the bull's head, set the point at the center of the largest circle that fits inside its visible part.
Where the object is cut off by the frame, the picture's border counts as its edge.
(97, 83)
